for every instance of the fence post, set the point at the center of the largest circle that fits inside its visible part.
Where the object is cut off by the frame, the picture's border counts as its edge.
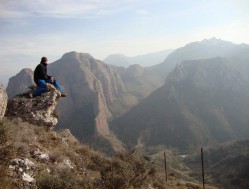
(165, 166)
(202, 167)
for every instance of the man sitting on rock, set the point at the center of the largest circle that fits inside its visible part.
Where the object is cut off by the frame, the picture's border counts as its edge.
(44, 81)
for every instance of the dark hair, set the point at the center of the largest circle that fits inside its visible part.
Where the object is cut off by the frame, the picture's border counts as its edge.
(44, 59)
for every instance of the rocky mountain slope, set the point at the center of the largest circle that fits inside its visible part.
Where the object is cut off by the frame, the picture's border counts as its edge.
(32, 157)
(202, 102)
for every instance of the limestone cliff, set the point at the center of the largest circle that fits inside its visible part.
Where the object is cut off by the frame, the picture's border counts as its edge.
(38, 110)
(3, 101)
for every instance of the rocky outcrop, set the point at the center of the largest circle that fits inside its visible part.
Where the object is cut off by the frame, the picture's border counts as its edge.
(20, 82)
(24, 169)
(38, 110)
(3, 101)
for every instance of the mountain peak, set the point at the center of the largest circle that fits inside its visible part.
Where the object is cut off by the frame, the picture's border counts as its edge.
(76, 55)
(116, 55)
(214, 41)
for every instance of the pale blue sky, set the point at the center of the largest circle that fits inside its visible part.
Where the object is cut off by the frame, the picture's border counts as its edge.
(30, 29)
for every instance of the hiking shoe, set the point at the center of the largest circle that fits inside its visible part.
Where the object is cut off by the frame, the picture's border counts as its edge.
(31, 95)
(63, 95)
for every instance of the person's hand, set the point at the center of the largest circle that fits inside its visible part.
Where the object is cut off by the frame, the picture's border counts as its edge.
(52, 79)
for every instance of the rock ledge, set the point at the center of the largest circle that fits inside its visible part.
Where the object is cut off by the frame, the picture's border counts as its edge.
(38, 110)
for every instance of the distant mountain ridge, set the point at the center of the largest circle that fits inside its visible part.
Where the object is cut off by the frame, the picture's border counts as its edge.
(144, 60)
(205, 49)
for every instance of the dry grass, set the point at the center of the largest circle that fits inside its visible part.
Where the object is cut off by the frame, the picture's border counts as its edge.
(86, 168)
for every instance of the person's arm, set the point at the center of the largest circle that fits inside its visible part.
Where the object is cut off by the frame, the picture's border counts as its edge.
(44, 73)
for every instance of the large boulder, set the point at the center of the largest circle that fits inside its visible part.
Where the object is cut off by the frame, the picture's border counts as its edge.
(3, 101)
(38, 110)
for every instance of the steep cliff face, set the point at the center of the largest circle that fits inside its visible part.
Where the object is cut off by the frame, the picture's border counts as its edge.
(91, 85)
(3, 101)
(20, 82)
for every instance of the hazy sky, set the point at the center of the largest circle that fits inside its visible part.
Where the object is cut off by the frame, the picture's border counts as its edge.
(30, 29)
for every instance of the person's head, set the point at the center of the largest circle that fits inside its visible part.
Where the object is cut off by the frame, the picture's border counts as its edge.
(44, 60)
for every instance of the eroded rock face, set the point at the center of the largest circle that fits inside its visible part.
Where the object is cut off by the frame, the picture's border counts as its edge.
(3, 101)
(38, 110)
